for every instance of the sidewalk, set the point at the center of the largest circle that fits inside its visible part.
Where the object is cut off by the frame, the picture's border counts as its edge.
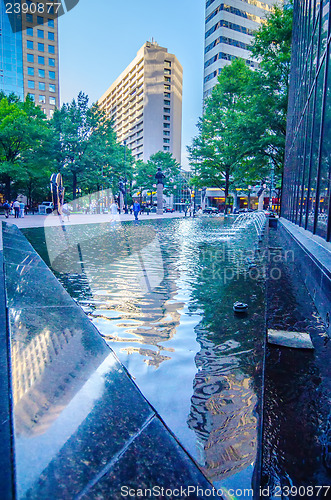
(53, 220)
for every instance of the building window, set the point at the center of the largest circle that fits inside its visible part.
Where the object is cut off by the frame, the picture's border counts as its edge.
(30, 58)
(51, 35)
(51, 61)
(51, 49)
(42, 86)
(167, 94)
(166, 141)
(40, 20)
(166, 132)
(167, 64)
(29, 31)
(167, 87)
(32, 96)
(166, 125)
(30, 71)
(29, 18)
(41, 73)
(52, 75)
(166, 118)
(167, 71)
(31, 84)
(166, 103)
(52, 101)
(40, 33)
(166, 148)
(52, 87)
(42, 99)
(167, 79)
(166, 110)
(29, 44)
(41, 47)
(51, 23)
(41, 60)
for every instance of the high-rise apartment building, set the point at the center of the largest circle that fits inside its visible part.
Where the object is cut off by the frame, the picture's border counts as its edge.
(29, 56)
(229, 30)
(145, 103)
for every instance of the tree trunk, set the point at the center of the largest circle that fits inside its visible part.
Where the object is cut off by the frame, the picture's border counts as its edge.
(226, 189)
(7, 187)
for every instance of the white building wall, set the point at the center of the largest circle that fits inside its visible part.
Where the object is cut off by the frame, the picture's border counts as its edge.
(238, 20)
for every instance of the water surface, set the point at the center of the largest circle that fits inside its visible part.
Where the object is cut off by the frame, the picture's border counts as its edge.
(161, 294)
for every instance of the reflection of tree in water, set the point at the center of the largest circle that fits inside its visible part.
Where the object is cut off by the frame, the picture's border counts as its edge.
(223, 405)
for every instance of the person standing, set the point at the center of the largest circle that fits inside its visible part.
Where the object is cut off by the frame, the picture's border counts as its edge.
(113, 208)
(16, 207)
(136, 209)
(22, 207)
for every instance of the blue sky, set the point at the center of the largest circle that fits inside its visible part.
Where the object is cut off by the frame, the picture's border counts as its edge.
(99, 38)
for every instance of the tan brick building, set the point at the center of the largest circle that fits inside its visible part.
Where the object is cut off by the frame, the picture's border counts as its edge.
(145, 103)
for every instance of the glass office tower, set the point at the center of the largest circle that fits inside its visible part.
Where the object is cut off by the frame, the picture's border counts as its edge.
(307, 174)
(11, 56)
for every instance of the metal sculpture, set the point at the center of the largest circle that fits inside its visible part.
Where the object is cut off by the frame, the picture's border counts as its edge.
(57, 190)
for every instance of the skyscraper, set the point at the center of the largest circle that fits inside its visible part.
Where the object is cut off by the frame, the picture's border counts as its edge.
(29, 57)
(145, 103)
(229, 29)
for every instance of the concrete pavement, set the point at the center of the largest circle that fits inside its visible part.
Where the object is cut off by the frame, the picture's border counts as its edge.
(53, 220)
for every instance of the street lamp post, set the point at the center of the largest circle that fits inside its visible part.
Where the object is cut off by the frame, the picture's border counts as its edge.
(272, 178)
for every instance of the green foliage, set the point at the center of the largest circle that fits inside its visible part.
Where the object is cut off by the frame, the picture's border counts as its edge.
(85, 148)
(169, 166)
(216, 153)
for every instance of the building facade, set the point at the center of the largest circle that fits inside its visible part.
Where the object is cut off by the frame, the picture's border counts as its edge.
(145, 103)
(307, 173)
(29, 55)
(229, 29)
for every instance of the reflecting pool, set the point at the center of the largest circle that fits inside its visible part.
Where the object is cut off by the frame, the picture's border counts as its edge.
(161, 293)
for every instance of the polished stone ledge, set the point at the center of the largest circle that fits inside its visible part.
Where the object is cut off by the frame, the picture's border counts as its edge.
(82, 429)
(312, 256)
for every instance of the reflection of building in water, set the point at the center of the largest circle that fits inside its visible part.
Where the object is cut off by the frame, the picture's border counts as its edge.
(47, 371)
(124, 272)
(151, 319)
(222, 414)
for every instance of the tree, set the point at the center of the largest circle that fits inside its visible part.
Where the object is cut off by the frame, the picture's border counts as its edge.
(216, 153)
(169, 166)
(85, 147)
(244, 123)
(23, 137)
(269, 88)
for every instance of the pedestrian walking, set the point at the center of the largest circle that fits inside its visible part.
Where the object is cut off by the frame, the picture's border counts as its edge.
(16, 207)
(136, 209)
(6, 206)
(22, 206)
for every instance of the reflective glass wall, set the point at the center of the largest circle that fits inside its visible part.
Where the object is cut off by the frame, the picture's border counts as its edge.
(11, 56)
(307, 174)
